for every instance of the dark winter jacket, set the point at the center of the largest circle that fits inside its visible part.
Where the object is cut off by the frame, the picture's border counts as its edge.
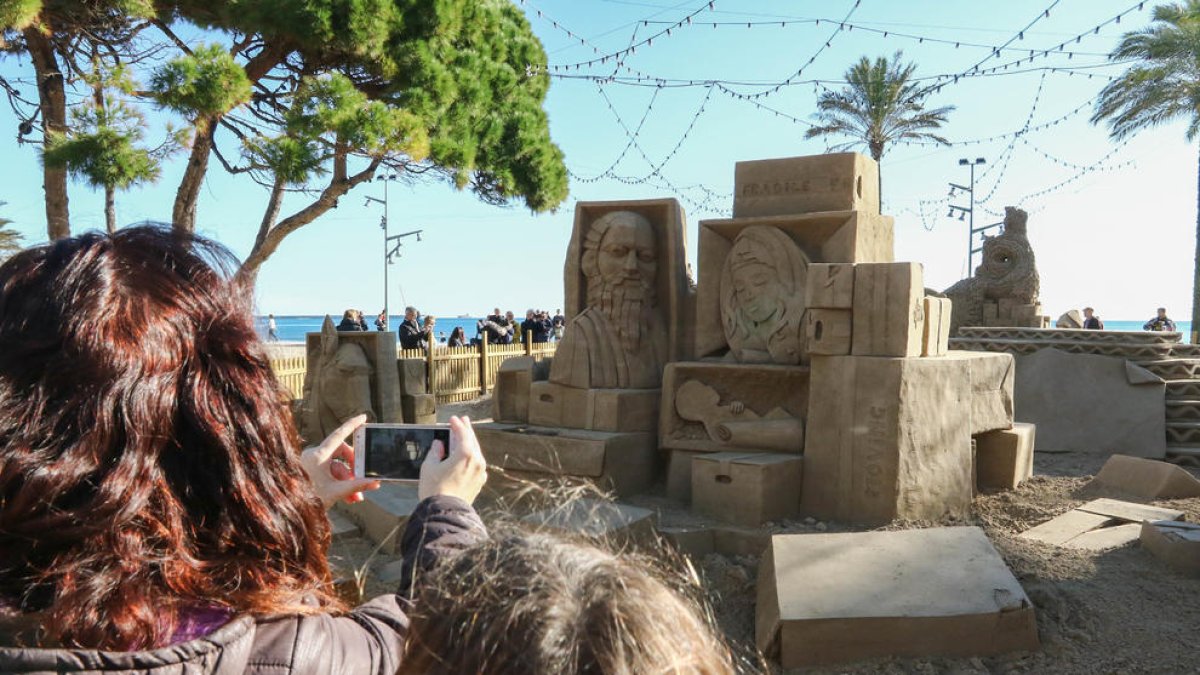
(368, 639)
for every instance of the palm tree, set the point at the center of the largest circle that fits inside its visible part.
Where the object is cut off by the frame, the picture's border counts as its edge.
(1162, 86)
(10, 239)
(879, 104)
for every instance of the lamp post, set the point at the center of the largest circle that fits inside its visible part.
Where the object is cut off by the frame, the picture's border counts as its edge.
(390, 251)
(968, 212)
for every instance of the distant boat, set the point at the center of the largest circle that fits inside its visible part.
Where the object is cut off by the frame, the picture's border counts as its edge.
(463, 316)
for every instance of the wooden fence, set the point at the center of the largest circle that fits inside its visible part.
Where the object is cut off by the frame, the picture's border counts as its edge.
(458, 373)
(290, 372)
(464, 373)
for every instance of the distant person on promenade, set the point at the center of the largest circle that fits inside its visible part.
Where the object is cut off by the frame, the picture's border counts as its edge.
(427, 338)
(518, 333)
(558, 323)
(1160, 322)
(362, 320)
(1091, 321)
(272, 329)
(496, 328)
(349, 321)
(410, 330)
(381, 321)
(458, 338)
(538, 325)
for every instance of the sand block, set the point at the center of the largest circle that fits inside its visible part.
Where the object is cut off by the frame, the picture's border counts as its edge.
(778, 393)
(736, 541)
(826, 599)
(623, 409)
(689, 540)
(746, 488)
(510, 400)
(1091, 403)
(557, 405)
(825, 237)
(830, 286)
(1129, 511)
(383, 512)
(992, 383)
(342, 527)
(1004, 459)
(889, 313)
(1175, 543)
(412, 376)
(596, 519)
(622, 462)
(679, 474)
(935, 340)
(1106, 538)
(419, 408)
(1070, 319)
(888, 438)
(844, 181)
(1146, 478)
(1064, 528)
(828, 331)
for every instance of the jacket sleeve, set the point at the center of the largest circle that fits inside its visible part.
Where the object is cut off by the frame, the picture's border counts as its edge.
(439, 527)
(370, 638)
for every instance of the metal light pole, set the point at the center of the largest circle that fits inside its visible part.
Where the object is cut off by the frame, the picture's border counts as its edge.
(969, 212)
(389, 251)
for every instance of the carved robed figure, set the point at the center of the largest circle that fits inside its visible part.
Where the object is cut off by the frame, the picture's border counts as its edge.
(762, 297)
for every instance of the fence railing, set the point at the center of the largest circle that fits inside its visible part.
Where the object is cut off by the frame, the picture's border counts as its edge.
(453, 374)
(456, 374)
(290, 373)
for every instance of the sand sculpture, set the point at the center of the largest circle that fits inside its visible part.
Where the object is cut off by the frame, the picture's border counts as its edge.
(1004, 289)
(348, 374)
(802, 343)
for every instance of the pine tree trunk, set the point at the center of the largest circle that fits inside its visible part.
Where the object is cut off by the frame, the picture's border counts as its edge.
(53, 102)
(1194, 334)
(183, 216)
(110, 208)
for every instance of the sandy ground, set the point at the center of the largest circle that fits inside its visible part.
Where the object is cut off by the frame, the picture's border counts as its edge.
(1119, 611)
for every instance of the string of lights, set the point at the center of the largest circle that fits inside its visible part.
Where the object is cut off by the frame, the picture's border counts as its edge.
(1044, 14)
(1100, 165)
(628, 145)
(820, 50)
(632, 48)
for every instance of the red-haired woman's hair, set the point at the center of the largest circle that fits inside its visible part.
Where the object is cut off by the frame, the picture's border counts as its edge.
(148, 462)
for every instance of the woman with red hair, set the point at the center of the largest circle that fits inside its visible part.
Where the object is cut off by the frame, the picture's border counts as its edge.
(157, 515)
(152, 488)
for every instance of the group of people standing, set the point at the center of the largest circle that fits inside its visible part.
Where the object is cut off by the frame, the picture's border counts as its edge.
(417, 331)
(538, 327)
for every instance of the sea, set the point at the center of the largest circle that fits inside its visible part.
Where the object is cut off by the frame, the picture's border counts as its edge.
(293, 328)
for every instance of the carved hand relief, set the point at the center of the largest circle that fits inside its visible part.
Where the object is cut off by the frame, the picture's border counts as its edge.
(619, 340)
(762, 295)
(734, 424)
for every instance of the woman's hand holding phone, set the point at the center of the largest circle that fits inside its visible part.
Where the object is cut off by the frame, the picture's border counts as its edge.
(460, 471)
(330, 467)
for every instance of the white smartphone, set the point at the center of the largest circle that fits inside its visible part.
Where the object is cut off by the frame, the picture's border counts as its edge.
(395, 452)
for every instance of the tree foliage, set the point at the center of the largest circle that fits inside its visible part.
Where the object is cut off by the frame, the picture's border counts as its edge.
(323, 95)
(880, 103)
(1161, 86)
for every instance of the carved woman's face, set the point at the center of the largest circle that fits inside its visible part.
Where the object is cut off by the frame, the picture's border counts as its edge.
(756, 288)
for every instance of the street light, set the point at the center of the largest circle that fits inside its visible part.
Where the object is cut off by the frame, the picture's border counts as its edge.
(392, 243)
(968, 212)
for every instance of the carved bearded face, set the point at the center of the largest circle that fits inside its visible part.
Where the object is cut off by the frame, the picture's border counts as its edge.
(627, 257)
(620, 261)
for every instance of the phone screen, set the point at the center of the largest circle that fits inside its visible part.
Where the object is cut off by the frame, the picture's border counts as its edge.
(397, 452)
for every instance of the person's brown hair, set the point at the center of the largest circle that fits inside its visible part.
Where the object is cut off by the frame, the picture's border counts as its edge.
(148, 462)
(538, 603)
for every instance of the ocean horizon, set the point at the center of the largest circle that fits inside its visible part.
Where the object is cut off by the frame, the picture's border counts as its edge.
(293, 327)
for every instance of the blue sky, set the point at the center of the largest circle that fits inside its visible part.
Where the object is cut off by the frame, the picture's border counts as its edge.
(1119, 234)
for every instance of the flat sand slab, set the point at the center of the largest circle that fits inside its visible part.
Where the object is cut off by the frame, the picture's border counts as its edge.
(836, 598)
